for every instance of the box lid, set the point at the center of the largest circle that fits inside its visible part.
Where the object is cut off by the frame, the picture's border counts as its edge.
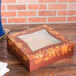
(36, 40)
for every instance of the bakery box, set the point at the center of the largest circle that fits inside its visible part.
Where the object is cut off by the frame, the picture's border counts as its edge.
(39, 46)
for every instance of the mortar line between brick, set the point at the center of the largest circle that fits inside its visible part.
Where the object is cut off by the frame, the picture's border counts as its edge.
(42, 3)
(67, 10)
(35, 23)
(6, 7)
(27, 20)
(6, 20)
(39, 16)
(41, 10)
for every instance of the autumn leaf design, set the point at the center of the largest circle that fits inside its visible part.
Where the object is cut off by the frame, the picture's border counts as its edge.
(64, 49)
(39, 55)
(15, 34)
(46, 57)
(31, 56)
(10, 43)
(13, 39)
(25, 58)
(19, 44)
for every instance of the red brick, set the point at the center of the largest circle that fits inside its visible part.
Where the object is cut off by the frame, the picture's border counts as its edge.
(67, 0)
(3, 20)
(16, 7)
(67, 12)
(46, 13)
(8, 14)
(46, 1)
(3, 7)
(37, 19)
(27, 13)
(8, 1)
(57, 6)
(72, 6)
(36, 6)
(56, 19)
(71, 19)
(16, 20)
(26, 1)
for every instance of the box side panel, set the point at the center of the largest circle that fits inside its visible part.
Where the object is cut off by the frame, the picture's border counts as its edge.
(17, 52)
(64, 52)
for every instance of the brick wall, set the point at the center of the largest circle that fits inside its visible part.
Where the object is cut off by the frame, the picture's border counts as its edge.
(38, 11)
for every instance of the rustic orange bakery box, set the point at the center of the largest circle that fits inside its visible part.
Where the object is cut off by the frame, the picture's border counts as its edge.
(39, 46)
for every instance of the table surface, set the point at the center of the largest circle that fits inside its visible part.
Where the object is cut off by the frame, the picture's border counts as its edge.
(65, 67)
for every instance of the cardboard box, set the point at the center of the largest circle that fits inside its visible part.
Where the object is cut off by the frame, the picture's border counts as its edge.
(39, 46)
